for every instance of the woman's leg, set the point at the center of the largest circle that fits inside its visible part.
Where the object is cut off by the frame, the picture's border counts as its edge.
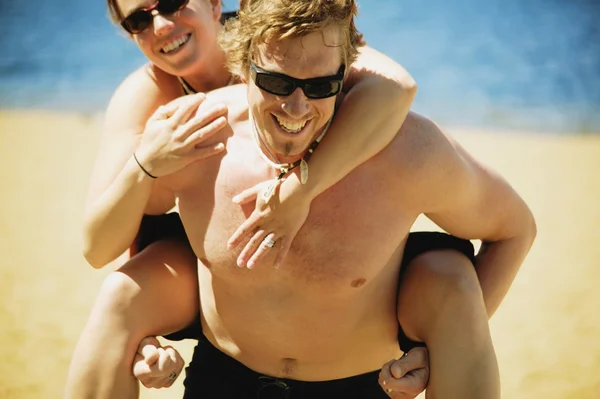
(440, 303)
(154, 293)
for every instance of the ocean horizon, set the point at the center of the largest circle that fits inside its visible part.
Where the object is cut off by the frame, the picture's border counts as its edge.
(509, 64)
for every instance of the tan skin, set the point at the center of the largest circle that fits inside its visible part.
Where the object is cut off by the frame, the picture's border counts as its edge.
(163, 87)
(359, 288)
(111, 228)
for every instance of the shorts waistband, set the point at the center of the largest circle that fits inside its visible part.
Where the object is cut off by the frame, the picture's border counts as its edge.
(209, 360)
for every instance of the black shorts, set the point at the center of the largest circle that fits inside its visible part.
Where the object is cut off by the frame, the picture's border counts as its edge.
(169, 226)
(214, 375)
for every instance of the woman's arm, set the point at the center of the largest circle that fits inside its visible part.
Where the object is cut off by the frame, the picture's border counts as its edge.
(379, 95)
(120, 190)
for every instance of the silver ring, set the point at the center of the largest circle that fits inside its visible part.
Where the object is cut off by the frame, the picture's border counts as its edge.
(269, 242)
(172, 376)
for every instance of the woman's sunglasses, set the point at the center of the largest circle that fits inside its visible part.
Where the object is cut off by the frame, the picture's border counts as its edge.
(284, 85)
(140, 19)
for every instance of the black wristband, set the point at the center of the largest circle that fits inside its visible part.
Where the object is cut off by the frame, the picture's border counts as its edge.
(142, 168)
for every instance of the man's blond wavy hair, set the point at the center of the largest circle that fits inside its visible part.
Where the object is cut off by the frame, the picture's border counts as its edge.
(260, 21)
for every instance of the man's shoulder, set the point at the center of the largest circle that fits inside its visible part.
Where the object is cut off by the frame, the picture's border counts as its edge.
(417, 144)
(234, 97)
(424, 163)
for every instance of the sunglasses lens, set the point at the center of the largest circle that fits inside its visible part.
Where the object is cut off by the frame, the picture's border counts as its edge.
(283, 85)
(274, 84)
(322, 90)
(140, 20)
(170, 6)
(137, 22)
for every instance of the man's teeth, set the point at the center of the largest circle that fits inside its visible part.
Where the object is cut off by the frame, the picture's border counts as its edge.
(175, 44)
(291, 126)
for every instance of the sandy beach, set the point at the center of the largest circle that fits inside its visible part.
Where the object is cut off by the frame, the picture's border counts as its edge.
(546, 333)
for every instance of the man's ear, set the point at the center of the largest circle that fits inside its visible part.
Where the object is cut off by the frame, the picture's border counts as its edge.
(217, 9)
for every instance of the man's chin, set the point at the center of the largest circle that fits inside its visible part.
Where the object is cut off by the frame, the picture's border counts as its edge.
(289, 150)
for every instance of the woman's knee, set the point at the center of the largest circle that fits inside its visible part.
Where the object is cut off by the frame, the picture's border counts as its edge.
(438, 284)
(117, 293)
(160, 281)
(444, 274)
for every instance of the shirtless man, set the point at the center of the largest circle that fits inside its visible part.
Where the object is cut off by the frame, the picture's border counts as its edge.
(323, 323)
(155, 292)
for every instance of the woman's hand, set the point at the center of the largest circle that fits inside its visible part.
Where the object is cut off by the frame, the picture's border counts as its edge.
(175, 135)
(277, 220)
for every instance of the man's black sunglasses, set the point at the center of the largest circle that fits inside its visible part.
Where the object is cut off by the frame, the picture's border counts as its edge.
(140, 19)
(284, 85)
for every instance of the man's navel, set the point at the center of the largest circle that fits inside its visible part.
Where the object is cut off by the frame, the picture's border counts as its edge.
(288, 366)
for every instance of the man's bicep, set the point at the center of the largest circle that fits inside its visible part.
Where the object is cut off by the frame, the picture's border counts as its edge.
(475, 202)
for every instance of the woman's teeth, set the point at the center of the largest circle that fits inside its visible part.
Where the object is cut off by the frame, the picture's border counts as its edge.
(175, 44)
(293, 127)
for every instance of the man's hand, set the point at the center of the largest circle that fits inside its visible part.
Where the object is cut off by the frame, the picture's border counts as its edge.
(406, 377)
(155, 366)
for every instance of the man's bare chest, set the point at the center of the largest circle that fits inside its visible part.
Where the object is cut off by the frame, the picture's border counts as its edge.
(350, 234)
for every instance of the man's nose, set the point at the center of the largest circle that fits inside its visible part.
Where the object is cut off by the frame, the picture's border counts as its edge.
(161, 25)
(296, 105)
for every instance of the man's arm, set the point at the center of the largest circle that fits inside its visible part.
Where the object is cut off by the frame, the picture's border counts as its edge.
(469, 200)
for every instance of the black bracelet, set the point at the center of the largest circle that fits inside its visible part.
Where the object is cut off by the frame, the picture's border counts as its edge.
(141, 167)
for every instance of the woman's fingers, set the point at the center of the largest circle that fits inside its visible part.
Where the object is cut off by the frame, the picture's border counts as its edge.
(250, 224)
(251, 247)
(246, 228)
(204, 124)
(163, 112)
(248, 195)
(186, 107)
(267, 245)
(203, 133)
(208, 151)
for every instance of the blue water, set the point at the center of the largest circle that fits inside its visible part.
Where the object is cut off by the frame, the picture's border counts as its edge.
(532, 64)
